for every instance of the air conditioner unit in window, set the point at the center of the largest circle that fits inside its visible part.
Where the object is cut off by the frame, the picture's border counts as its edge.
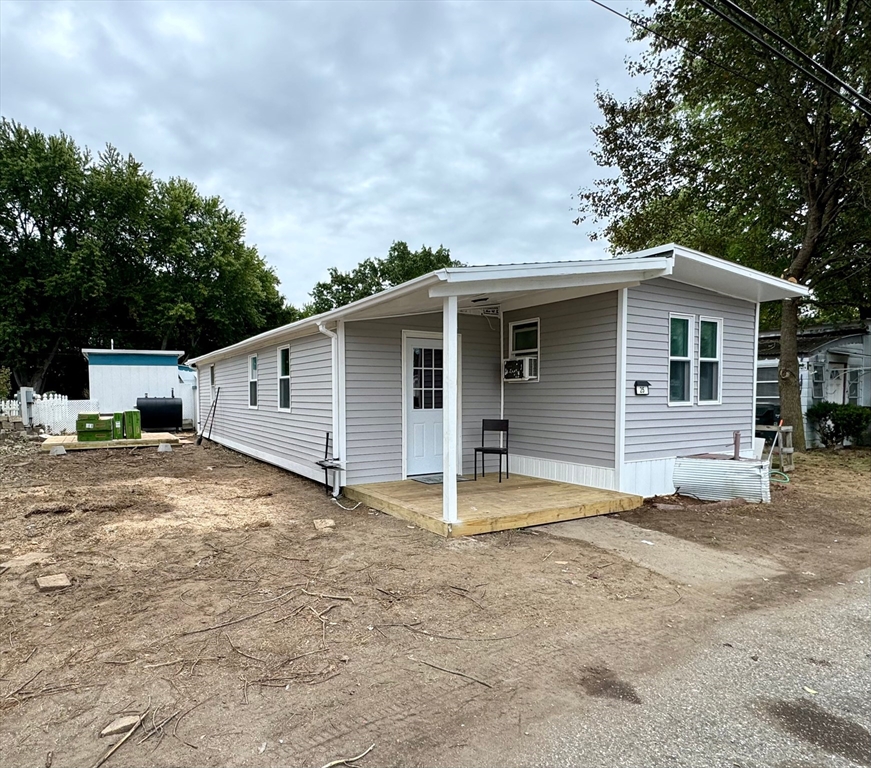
(520, 369)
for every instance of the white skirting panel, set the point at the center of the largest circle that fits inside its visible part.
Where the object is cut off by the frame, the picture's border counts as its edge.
(564, 471)
(312, 472)
(653, 477)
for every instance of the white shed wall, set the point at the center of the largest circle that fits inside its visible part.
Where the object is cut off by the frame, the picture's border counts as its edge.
(116, 387)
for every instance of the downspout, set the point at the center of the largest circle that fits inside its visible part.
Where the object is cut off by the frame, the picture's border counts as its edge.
(334, 378)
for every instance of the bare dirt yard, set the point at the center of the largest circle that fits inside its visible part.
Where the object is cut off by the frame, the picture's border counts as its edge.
(204, 600)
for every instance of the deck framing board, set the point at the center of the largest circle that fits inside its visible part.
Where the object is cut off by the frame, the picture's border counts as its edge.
(71, 443)
(487, 506)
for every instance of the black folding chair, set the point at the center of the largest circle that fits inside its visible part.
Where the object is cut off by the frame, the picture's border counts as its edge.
(493, 425)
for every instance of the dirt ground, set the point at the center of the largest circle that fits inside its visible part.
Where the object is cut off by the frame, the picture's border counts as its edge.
(204, 598)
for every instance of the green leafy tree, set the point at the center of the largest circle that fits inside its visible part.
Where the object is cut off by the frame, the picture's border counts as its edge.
(732, 151)
(94, 251)
(374, 275)
(51, 268)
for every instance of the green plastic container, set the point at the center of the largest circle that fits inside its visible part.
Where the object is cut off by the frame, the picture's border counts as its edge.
(96, 424)
(95, 436)
(118, 426)
(132, 425)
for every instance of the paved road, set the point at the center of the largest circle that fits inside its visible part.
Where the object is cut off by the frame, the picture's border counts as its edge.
(787, 688)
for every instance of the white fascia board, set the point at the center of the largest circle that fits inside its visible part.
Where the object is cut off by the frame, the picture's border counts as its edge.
(556, 277)
(768, 287)
(169, 352)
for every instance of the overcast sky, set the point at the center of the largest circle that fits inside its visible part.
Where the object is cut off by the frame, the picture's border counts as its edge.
(338, 127)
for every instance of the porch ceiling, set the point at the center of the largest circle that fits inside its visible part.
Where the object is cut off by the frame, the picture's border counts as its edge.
(507, 300)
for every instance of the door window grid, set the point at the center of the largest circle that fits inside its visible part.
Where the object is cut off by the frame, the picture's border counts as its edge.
(427, 379)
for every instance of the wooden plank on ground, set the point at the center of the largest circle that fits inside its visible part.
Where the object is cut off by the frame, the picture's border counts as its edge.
(71, 443)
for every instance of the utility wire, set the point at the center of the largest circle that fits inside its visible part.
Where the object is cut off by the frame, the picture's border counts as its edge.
(646, 28)
(796, 50)
(781, 55)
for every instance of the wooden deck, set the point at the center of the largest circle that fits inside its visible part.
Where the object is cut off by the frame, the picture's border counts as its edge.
(71, 443)
(486, 505)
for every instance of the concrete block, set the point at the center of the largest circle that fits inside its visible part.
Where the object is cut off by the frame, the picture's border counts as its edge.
(324, 524)
(23, 562)
(51, 583)
(164, 448)
(58, 450)
(120, 725)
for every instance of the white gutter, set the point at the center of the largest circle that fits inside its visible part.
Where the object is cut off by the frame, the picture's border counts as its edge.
(334, 378)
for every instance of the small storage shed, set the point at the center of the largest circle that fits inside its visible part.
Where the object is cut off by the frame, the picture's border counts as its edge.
(117, 377)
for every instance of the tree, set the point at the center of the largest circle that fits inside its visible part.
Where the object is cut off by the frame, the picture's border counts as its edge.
(733, 151)
(374, 275)
(95, 251)
(50, 267)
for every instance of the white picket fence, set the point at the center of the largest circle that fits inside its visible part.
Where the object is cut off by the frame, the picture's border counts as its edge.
(58, 414)
(8, 408)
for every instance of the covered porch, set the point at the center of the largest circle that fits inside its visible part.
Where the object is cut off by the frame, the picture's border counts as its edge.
(486, 505)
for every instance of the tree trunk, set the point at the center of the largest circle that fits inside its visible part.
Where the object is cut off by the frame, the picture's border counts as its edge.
(790, 381)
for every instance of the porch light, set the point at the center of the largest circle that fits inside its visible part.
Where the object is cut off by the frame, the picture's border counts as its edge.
(642, 387)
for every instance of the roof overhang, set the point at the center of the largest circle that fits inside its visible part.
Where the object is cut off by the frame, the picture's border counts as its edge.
(721, 276)
(175, 354)
(515, 286)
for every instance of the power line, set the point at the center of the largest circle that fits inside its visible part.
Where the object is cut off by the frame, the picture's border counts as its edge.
(781, 55)
(795, 49)
(675, 43)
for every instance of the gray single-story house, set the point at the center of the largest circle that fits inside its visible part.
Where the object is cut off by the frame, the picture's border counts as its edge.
(606, 370)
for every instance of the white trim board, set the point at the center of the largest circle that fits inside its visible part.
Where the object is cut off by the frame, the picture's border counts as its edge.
(622, 384)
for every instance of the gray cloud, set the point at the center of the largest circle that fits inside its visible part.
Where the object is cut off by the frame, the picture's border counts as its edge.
(337, 127)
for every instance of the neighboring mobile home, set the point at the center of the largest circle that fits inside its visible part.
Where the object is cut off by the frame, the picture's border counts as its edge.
(834, 364)
(606, 371)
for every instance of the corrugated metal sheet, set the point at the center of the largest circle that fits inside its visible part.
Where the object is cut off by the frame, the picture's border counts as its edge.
(715, 480)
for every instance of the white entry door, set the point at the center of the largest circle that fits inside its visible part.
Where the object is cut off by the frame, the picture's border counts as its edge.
(424, 397)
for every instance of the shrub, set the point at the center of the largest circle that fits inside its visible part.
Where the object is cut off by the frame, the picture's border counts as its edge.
(5, 383)
(834, 422)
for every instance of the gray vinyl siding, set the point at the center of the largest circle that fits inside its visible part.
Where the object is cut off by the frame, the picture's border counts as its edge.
(294, 437)
(569, 413)
(653, 428)
(373, 390)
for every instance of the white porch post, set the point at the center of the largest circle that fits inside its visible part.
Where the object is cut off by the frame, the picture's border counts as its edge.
(449, 413)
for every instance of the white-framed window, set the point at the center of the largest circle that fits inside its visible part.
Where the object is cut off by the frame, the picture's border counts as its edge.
(853, 386)
(767, 384)
(252, 381)
(524, 341)
(710, 360)
(818, 381)
(680, 361)
(212, 381)
(284, 379)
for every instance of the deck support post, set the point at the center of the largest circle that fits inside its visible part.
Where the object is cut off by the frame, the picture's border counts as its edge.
(450, 409)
